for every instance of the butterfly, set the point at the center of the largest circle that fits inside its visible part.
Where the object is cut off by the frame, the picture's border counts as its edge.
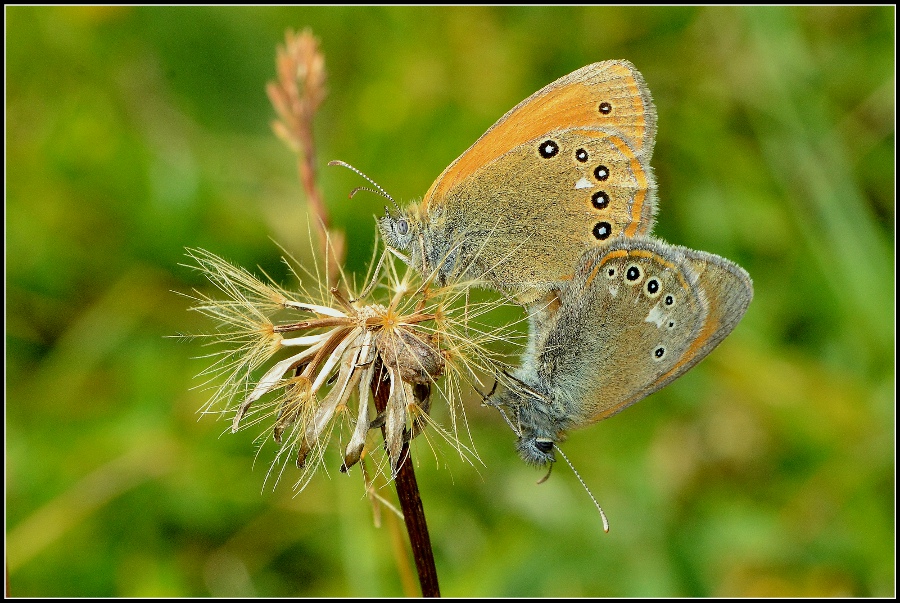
(637, 314)
(564, 171)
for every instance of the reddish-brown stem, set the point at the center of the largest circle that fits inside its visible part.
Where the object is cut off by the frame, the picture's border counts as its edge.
(307, 170)
(410, 501)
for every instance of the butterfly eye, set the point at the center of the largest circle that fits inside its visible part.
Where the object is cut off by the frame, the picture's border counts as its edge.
(605, 108)
(652, 287)
(548, 149)
(543, 445)
(402, 227)
(633, 274)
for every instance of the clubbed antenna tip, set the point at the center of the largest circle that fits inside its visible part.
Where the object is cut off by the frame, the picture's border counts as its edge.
(588, 490)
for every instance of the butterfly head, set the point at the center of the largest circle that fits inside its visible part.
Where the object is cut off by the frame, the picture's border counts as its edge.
(406, 234)
(536, 450)
(539, 433)
(397, 230)
(534, 422)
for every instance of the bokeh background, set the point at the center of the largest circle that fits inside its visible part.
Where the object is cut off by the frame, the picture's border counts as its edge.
(134, 132)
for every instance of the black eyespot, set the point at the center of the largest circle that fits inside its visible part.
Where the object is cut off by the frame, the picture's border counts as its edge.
(548, 149)
(670, 300)
(402, 227)
(601, 173)
(671, 324)
(602, 230)
(633, 274)
(611, 273)
(605, 108)
(600, 199)
(659, 352)
(581, 155)
(543, 445)
(652, 287)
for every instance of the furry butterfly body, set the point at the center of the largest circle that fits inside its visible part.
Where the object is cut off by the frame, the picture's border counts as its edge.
(564, 171)
(636, 315)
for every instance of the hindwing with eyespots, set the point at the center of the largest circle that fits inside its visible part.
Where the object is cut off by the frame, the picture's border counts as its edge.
(636, 315)
(634, 312)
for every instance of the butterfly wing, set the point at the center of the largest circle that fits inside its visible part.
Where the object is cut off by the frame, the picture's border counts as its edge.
(557, 175)
(637, 315)
(610, 95)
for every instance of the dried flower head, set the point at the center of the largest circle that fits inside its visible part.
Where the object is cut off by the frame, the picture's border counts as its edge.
(403, 336)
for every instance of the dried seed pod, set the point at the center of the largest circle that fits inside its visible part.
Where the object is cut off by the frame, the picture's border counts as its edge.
(414, 356)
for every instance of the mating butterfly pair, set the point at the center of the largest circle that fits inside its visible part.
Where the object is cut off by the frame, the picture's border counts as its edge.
(554, 204)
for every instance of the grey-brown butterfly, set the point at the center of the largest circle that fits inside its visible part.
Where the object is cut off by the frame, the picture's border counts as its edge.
(637, 314)
(564, 171)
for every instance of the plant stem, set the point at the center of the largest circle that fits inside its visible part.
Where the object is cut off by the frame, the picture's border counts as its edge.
(410, 501)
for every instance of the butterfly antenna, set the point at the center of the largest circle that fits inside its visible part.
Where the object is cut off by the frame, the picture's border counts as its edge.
(588, 490)
(364, 188)
(379, 191)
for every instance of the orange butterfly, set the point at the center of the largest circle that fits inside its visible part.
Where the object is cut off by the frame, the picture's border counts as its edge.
(564, 171)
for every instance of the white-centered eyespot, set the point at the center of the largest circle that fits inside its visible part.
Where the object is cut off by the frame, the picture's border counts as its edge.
(633, 274)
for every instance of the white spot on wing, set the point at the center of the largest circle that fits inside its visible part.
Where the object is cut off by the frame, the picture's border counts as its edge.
(656, 316)
(613, 290)
(583, 183)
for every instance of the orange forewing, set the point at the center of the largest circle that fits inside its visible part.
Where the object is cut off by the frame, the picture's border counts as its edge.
(570, 102)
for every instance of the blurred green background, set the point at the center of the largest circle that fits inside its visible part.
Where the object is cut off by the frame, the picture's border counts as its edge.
(135, 132)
